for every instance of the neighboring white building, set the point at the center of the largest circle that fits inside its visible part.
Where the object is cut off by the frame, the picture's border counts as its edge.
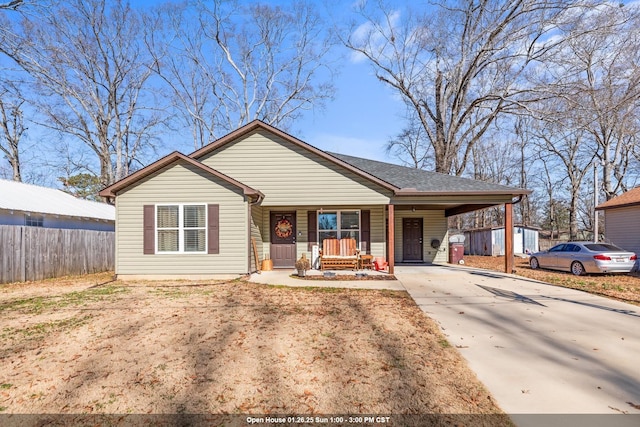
(622, 220)
(32, 205)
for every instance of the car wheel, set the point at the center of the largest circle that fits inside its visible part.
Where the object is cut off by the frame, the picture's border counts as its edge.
(534, 263)
(577, 268)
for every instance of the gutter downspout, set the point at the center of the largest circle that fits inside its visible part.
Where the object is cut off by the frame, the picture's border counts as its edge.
(249, 217)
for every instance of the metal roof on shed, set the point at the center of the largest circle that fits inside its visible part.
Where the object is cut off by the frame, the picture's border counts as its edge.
(19, 196)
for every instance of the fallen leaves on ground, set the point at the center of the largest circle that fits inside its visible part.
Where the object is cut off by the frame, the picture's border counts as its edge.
(233, 347)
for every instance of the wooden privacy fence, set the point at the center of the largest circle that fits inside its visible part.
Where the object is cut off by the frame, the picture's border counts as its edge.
(33, 253)
(546, 244)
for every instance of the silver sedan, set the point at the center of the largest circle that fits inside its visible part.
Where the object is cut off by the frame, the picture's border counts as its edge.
(585, 257)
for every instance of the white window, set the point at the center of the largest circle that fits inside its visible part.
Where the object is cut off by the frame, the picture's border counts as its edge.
(181, 228)
(34, 220)
(338, 225)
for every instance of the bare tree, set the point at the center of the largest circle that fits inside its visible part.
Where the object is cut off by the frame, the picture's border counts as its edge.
(229, 63)
(88, 61)
(458, 67)
(525, 160)
(597, 76)
(553, 217)
(12, 125)
(412, 147)
(187, 65)
(573, 152)
(12, 128)
(12, 4)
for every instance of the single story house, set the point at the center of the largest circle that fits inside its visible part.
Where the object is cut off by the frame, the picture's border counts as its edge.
(622, 220)
(36, 206)
(490, 241)
(202, 214)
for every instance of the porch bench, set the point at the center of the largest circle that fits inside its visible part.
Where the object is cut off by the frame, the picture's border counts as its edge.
(338, 254)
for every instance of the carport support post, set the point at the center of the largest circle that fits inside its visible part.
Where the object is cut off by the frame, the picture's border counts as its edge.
(392, 224)
(508, 238)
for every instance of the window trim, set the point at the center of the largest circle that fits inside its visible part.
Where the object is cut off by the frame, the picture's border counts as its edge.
(181, 229)
(339, 230)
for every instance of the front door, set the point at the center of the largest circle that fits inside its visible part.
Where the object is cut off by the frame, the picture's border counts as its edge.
(283, 239)
(412, 239)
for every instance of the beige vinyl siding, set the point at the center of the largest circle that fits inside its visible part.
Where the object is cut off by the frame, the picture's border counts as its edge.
(377, 225)
(378, 231)
(181, 183)
(434, 226)
(290, 175)
(256, 223)
(622, 227)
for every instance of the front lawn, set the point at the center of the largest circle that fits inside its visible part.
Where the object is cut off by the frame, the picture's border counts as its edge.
(225, 347)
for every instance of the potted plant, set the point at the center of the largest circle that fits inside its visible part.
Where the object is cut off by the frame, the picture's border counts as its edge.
(302, 265)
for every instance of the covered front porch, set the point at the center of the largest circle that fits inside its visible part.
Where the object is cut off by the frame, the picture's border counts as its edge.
(413, 230)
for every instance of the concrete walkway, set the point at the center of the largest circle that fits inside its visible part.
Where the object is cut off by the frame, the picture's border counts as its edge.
(539, 349)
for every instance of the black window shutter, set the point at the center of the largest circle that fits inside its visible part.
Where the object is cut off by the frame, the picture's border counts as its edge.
(312, 228)
(213, 229)
(149, 229)
(365, 229)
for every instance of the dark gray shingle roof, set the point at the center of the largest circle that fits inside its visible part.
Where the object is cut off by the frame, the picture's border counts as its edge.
(423, 181)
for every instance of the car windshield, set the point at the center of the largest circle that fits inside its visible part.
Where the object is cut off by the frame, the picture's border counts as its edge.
(602, 247)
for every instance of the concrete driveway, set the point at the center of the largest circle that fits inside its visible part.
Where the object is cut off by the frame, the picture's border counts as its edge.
(539, 349)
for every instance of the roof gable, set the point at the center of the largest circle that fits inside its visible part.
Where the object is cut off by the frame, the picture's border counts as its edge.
(630, 198)
(257, 125)
(113, 189)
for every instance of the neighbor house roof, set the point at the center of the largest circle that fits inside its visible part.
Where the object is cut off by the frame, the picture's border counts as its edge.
(111, 190)
(18, 196)
(630, 198)
(412, 180)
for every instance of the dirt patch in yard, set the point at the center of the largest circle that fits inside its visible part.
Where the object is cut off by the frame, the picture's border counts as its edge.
(623, 287)
(232, 347)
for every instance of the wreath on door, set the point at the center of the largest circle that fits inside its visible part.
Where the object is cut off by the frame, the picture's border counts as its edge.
(284, 228)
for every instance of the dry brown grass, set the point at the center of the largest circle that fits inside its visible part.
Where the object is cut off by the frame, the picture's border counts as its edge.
(622, 287)
(234, 347)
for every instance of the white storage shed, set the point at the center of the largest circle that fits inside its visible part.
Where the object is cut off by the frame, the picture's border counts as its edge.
(490, 241)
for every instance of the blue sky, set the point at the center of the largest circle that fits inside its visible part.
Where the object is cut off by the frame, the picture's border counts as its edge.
(360, 120)
(364, 114)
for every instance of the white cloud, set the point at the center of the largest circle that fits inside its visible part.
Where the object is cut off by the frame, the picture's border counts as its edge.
(374, 37)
